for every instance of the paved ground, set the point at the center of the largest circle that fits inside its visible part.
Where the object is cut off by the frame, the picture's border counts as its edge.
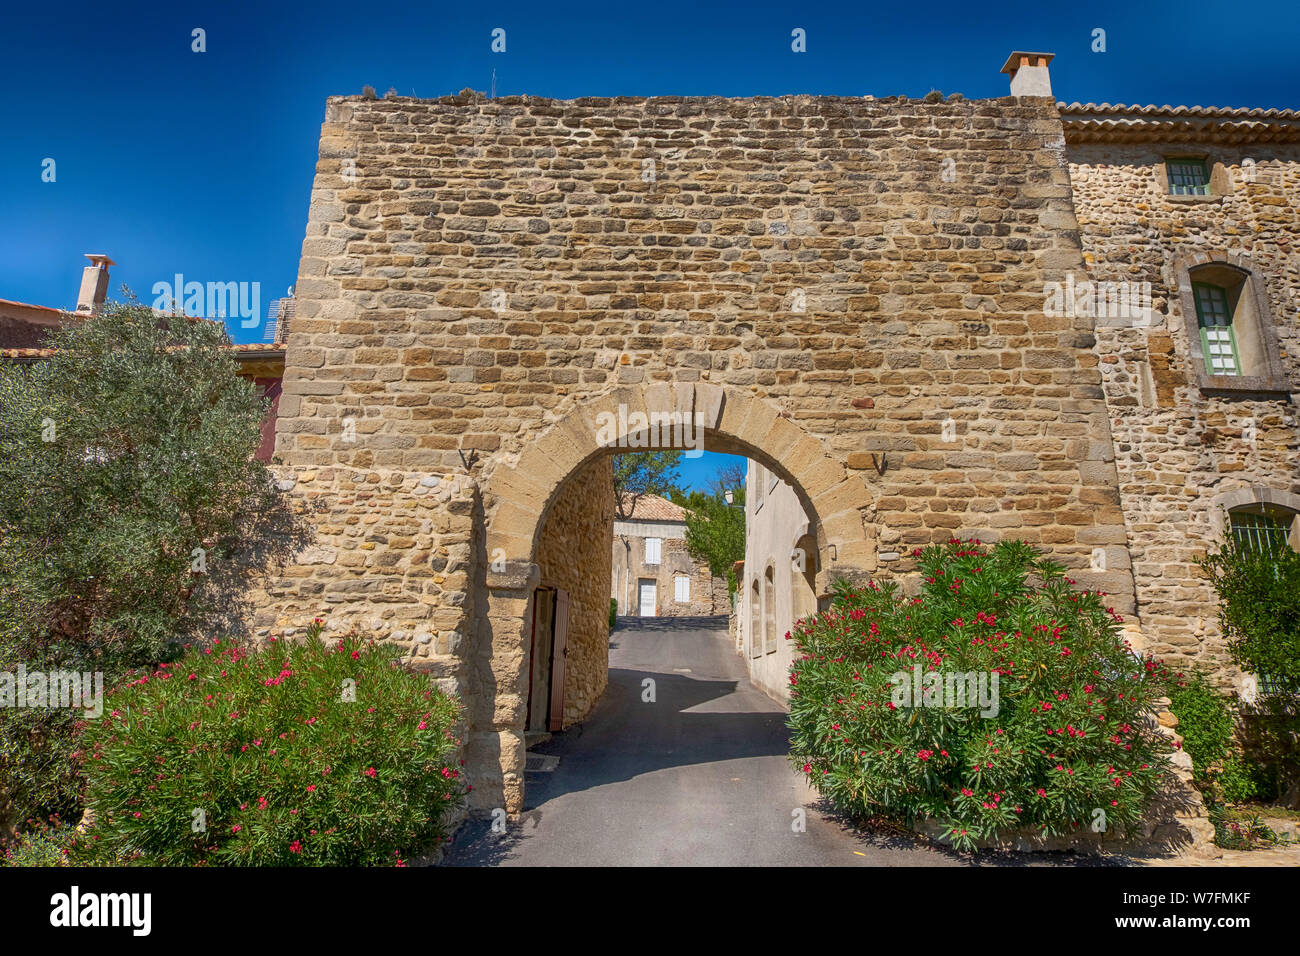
(699, 777)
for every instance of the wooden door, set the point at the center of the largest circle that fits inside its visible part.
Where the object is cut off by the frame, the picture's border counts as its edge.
(539, 669)
(559, 654)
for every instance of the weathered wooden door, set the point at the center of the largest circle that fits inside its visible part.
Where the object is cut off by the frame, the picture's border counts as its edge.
(559, 655)
(539, 673)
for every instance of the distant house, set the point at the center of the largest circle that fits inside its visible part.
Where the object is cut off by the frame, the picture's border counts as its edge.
(777, 579)
(654, 575)
(25, 329)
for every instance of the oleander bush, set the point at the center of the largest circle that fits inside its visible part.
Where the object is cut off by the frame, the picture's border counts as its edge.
(303, 753)
(39, 843)
(133, 516)
(1065, 744)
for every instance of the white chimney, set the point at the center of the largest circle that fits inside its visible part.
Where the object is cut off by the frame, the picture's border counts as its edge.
(1029, 75)
(94, 284)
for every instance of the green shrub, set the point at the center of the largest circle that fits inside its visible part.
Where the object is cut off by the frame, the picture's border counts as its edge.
(132, 516)
(1245, 832)
(613, 612)
(1240, 780)
(1258, 585)
(1205, 718)
(298, 754)
(1065, 744)
(41, 843)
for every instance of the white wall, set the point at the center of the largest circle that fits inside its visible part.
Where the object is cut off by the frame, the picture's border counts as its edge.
(775, 523)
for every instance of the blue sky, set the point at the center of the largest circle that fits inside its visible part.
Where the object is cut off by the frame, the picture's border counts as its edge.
(697, 474)
(172, 161)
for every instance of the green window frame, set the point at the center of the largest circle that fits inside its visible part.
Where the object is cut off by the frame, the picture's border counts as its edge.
(1188, 177)
(1218, 340)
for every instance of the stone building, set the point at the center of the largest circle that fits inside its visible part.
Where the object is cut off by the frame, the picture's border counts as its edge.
(867, 297)
(777, 581)
(1197, 210)
(653, 573)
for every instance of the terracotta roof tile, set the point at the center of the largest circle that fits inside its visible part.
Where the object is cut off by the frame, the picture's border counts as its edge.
(1119, 122)
(243, 348)
(655, 508)
(1205, 112)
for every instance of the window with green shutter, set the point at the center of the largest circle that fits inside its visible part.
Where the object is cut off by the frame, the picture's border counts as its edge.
(1188, 177)
(1218, 344)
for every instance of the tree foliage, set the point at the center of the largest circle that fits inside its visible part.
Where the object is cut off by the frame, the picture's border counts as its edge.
(132, 515)
(715, 531)
(641, 473)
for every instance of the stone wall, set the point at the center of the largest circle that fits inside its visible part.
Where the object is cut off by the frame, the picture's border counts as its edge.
(571, 555)
(1179, 450)
(848, 290)
(392, 557)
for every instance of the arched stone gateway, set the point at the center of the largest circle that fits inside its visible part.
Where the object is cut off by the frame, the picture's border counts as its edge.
(518, 498)
(483, 280)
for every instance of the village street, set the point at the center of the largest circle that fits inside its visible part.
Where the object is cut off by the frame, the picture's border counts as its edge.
(699, 776)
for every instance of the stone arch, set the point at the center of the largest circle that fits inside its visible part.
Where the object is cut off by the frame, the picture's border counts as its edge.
(517, 499)
(1221, 505)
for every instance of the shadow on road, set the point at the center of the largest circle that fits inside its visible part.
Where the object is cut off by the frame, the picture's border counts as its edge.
(617, 742)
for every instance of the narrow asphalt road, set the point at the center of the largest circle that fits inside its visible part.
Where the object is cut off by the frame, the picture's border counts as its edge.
(699, 776)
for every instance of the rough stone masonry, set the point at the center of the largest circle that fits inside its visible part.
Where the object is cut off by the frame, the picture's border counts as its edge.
(849, 290)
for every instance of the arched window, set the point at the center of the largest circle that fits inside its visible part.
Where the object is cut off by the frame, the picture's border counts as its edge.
(1262, 527)
(769, 610)
(1230, 329)
(1258, 517)
(803, 577)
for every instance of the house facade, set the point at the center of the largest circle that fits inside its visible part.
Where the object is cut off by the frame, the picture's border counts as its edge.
(653, 573)
(777, 580)
(1193, 215)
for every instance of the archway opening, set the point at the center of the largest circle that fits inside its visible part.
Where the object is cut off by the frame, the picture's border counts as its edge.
(551, 541)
